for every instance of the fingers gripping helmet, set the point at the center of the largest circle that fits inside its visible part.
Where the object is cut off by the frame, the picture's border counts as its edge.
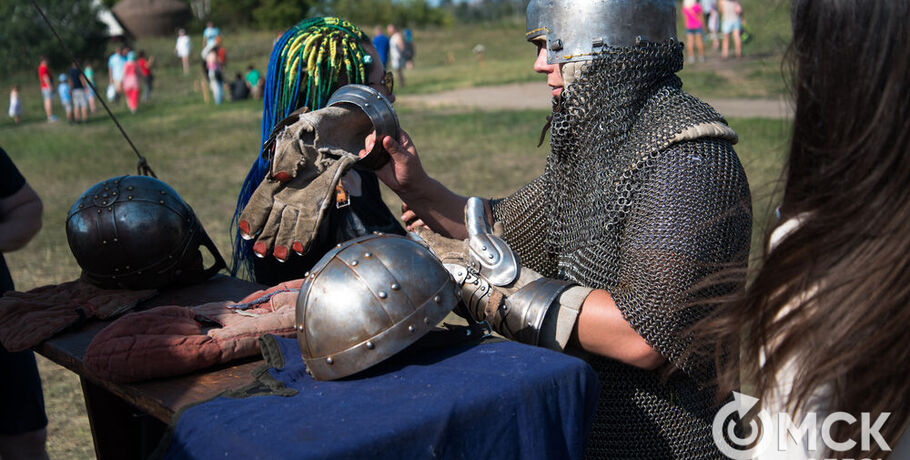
(576, 30)
(135, 232)
(368, 299)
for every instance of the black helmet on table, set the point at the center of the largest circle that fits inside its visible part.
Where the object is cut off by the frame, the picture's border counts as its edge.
(136, 232)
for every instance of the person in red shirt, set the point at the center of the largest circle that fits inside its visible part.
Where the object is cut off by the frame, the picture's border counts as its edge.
(145, 72)
(47, 89)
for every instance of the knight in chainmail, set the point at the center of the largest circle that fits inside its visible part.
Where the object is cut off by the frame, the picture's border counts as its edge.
(642, 199)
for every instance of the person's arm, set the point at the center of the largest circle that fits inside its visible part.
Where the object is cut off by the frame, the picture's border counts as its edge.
(20, 218)
(601, 329)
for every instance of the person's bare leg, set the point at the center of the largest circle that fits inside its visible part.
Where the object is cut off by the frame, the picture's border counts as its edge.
(738, 43)
(186, 65)
(48, 109)
(25, 446)
(700, 45)
(725, 46)
(690, 40)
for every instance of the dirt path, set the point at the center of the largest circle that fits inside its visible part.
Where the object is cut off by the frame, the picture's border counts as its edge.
(524, 96)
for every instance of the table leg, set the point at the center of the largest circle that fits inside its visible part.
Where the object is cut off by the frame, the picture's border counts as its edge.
(119, 429)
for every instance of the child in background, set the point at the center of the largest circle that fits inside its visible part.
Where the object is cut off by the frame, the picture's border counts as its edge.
(131, 82)
(66, 97)
(15, 106)
(145, 72)
(89, 92)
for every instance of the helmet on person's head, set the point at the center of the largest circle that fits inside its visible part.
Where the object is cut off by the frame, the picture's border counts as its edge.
(578, 30)
(368, 299)
(136, 232)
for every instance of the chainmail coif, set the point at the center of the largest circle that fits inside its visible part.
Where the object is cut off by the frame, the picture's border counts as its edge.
(623, 207)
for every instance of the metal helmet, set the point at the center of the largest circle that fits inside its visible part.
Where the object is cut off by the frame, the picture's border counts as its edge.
(366, 300)
(576, 30)
(135, 232)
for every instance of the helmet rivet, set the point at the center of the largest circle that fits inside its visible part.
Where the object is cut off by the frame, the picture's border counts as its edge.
(163, 192)
(99, 211)
(491, 256)
(110, 208)
(411, 328)
(355, 263)
(557, 45)
(103, 241)
(370, 345)
(129, 197)
(114, 193)
(81, 206)
(483, 248)
(366, 104)
(382, 294)
(329, 361)
(396, 286)
(116, 269)
(130, 187)
(104, 203)
(96, 197)
(160, 201)
(306, 274)
(338, 245)
(437, 299)
(115, 240)
(300, 327)
(368, 254)
(426, 321)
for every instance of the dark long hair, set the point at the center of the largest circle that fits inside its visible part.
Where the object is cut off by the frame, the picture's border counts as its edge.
(834, 295)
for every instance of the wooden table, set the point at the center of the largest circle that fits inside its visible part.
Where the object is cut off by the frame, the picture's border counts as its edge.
(128, 420)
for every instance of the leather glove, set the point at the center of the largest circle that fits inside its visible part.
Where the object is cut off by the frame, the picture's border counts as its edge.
(514, 301)
(29, 318)
(175, 340)
(309, 154)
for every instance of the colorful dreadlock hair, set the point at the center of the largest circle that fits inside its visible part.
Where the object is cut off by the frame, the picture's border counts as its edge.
(308, 63)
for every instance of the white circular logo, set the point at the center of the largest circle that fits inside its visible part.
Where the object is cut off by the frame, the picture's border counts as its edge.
(733, 445)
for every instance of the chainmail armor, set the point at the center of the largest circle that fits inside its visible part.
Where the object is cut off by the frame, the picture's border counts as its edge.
(623, 208)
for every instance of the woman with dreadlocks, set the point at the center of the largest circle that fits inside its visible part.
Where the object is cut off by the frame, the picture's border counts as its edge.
(308, 63)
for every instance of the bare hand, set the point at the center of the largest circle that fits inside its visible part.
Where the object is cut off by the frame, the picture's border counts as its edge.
(410, 219)
(404, 173)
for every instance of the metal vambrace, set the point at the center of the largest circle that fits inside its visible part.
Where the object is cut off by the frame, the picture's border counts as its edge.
(541, 312)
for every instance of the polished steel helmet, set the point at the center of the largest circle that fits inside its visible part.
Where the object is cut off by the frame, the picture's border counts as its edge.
(368, 299)
(381, 113)
(136, 232)
(576, 30)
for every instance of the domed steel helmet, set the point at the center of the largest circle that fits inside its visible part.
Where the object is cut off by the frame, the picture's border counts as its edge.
(575, 31)
(135, 232)
(368, 299)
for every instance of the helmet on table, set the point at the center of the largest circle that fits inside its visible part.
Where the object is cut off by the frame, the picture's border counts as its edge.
(368, 299)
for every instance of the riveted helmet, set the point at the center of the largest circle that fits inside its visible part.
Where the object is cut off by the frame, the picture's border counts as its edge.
(577, 30)
(136, 232)
(368, 299)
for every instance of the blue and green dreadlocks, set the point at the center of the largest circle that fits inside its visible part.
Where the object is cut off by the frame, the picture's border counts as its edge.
(308, 63)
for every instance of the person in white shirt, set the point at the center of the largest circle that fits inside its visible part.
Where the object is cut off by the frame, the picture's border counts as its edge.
(183, 48)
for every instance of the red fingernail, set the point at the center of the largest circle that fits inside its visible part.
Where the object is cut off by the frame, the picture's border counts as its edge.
(297, 247)
(244, 227)
(282, 176)
(281, 253)
(260, 249)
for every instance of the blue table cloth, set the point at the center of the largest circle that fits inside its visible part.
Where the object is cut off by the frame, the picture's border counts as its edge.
(491, 401)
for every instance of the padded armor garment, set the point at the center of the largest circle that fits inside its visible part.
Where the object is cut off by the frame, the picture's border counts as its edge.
(624, 205)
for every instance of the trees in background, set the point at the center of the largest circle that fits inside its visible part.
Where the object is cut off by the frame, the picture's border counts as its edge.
(25, 37)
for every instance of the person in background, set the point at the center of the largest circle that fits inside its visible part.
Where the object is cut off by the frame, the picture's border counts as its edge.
(396, 53)
(47, 89)
(77, 87)
(210, 34)
(131, 82)
(145, 70)
(254, 81)
(23, 422)
(695, 29)
(182, 48)
(408, 49)
(15, 105)
(827, 306)
(66, 96)
(731, 24)
(381, 43)
(115, 65)
(89, 73)
(239, 88)
(215, 75)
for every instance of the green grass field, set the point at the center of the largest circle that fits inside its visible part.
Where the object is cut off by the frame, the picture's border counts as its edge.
(204, 151)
